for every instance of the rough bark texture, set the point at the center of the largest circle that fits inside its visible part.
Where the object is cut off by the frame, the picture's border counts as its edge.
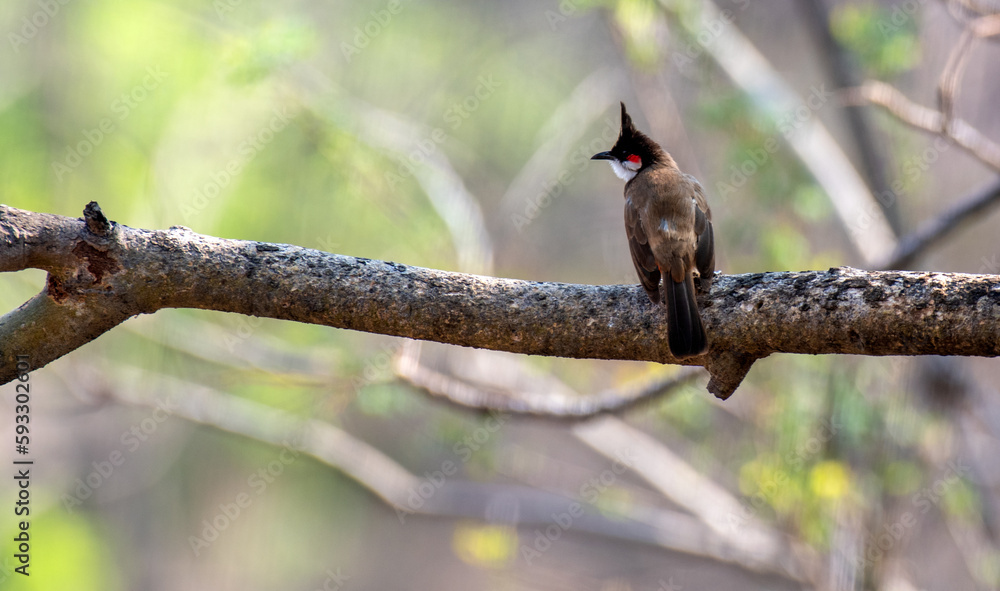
(101, 273)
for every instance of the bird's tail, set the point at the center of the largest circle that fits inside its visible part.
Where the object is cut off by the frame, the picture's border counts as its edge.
(685, 332)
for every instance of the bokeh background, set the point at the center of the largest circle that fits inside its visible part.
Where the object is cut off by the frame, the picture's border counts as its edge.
(455, 135)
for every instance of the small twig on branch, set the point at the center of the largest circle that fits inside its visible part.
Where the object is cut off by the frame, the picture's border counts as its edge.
(964, 135)
(951, 76)
(97, 282)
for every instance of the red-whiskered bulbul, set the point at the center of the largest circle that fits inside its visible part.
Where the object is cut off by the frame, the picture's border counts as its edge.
(669, 229)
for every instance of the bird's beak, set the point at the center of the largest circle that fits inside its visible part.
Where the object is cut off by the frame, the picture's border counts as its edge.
(602, 156)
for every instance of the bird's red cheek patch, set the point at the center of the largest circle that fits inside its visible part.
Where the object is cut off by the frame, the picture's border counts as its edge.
(634, 158)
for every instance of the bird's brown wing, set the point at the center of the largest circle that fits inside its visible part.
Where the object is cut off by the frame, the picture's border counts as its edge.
(642, 254)
(704, 256)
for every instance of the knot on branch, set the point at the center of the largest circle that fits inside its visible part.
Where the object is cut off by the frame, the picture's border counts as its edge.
(92, 259)
(99, 263)
(94, 266)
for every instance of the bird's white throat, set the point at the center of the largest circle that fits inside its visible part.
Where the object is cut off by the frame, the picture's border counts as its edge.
(624, 170)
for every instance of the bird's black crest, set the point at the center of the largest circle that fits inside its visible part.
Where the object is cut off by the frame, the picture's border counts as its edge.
(633, 141)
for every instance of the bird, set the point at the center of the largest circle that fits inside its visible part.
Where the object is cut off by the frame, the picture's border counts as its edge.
(669, 228)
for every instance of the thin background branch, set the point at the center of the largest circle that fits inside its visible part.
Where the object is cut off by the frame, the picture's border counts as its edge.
(457, 498)
(970, 208)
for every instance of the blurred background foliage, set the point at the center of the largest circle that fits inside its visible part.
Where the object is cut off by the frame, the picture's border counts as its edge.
(359, 128)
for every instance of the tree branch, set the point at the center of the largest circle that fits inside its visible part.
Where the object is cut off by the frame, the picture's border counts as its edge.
(96, 282)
